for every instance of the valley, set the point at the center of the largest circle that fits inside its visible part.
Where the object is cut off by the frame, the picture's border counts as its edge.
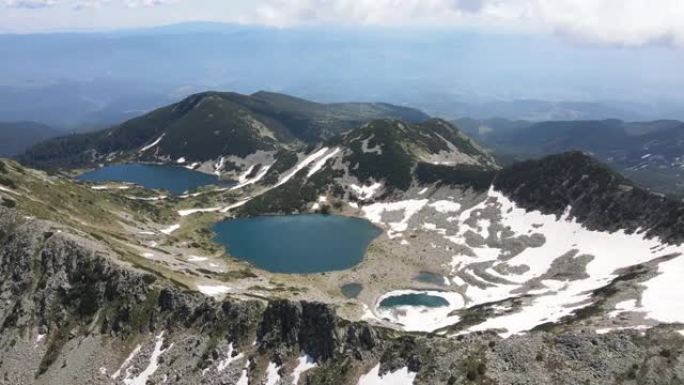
(320, 257)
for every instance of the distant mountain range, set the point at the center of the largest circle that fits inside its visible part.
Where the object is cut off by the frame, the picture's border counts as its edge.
(110, 77)
(17, 137)
(651, 153)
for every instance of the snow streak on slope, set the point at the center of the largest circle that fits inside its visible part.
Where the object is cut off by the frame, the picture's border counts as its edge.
(156, 142)
(306, 162)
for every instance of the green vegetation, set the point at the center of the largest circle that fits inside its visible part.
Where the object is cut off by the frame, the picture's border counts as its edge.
(285, 160)
(292, 196)
(475, 177)
(212, 124)
(394, 163)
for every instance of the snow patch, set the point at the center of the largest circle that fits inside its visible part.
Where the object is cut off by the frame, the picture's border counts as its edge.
(307, 161)
(662, 298)
(185, 213)
(319, 165)
(126, 362)
(225, 363)
(244, 181)
(213, 291)
(409, 208)
(156, 142)
(141, 379)
(400, 377)
(365, 193)
(445, 206)
(305, 363)
(272, 376)
(170, 229)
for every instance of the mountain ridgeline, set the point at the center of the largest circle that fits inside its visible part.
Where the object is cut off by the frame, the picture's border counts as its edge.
(212, 124)
(651, 153)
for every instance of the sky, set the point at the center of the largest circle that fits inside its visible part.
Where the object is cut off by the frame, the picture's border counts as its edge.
(631, 23)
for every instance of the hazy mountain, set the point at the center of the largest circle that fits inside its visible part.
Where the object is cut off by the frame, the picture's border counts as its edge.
(112, 76)
(17, 137)
(648, 152)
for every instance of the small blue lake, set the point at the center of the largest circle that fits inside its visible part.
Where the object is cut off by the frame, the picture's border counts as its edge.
(297, 244)
(414, 299)
(174, 179)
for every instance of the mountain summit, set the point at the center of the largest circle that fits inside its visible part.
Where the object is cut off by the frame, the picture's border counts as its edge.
(212, 124)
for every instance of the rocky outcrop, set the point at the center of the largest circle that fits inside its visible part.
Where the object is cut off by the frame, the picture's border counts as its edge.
(71, 313)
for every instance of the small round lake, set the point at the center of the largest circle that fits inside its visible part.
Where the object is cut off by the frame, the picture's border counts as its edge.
(297, 244)
(174, 179)
(414, 299)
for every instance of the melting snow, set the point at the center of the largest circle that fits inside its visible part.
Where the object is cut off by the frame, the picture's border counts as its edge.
(307, 161)
(141, 379)
(319, 165)
(272, 376)
(624, 306)
(213, 290)
(7, 190)
(305, 363)
(225, 363)
(421, 318)
(445, 206)
(110, 187)
(559, 298)
(365, 193)
(194, 258)
(170, 229)
(246, 182)
(127, 361)
(410, 207)
(244, 379)
(662, 298)
(185, 213)
(156, 142)
(400, 377)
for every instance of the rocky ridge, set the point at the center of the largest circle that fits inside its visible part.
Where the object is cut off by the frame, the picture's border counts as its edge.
(72, 314)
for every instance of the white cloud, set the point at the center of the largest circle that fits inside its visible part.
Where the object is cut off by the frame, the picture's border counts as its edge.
(81, 4)
(626, 22)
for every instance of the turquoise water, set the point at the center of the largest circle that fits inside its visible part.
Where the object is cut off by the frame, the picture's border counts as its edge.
(176, 180)
(351, 290)
(297, 243)
(427, 277)
(414, 299)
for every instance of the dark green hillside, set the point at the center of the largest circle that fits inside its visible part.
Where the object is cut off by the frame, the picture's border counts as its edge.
(211, 124)
(389, 150)
(597, 196)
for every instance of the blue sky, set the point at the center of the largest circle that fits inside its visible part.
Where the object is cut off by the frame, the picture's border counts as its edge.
(612, 22)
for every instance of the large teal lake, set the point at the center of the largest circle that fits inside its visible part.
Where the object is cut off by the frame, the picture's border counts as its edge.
(297, 243)
(176, 180)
